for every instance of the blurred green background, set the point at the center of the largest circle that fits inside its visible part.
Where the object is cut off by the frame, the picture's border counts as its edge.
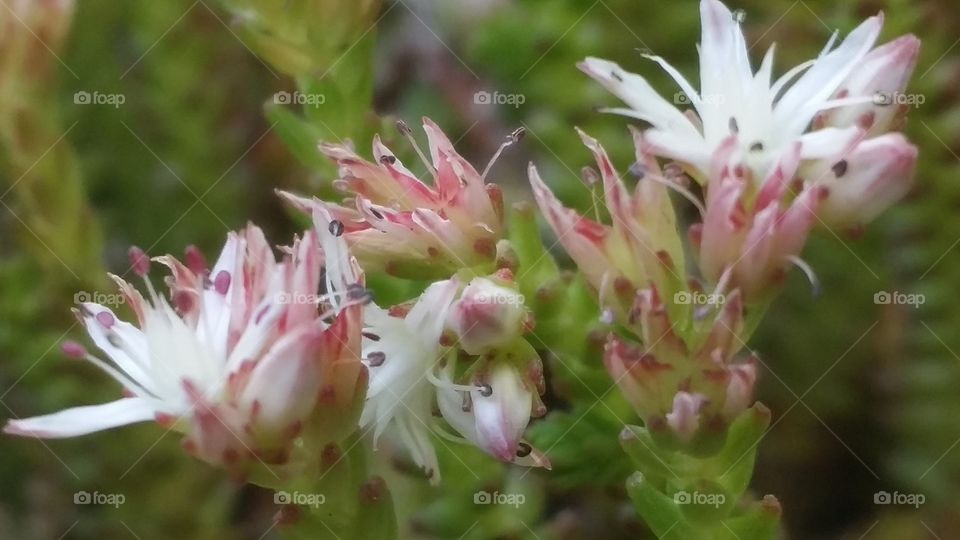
(865, 396)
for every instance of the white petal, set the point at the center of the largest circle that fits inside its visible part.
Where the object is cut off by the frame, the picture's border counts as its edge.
(503, 415)
(805, 97)
(636, 92)
(127, 349)
(829, 142)
(83, 420)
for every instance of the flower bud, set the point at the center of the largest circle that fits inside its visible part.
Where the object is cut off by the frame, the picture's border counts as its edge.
(882, 77)
(502, 411)
(489, 314)
(865, 181)
(639, 246)
(495, 414)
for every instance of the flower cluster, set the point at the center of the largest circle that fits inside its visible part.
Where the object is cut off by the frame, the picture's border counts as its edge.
(461, 342)
(398, 224)
(774, 159)
(262, 362)
(228, 358)
(259, 370)
(777, 157)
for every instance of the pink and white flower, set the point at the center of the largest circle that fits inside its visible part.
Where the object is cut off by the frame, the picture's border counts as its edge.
(767, 117)
(412, 367)
(401, 351)
(239, 358)
(396, 223)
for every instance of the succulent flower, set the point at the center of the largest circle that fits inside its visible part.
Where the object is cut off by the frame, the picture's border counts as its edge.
(412, 365)
(401, 350)
(766, 117)
(239, 358)
(396, 223)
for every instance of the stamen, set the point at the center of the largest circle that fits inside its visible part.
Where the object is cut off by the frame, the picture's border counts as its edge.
(139, 261)
(183, 301)
(808, 270)
(590, 176)
(638, 170)
(335, 227)
(523, 450)
(74, 350)
(358, 293)
(121, 378)
(376, 358)
(514, 137)
(221, 283)
(106, 319)
(443, 434)
(686, 193)
(195, 260)
(724, 280)
(840, 168)
(371, 336)
(440, 383)
(486, 390)
(734, 127)
(405, 130)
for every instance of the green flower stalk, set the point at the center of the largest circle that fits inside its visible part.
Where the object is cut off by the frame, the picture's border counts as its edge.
(41, 171)
(327, 47)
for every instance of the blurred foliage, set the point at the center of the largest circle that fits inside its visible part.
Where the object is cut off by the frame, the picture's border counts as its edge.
(863, 396)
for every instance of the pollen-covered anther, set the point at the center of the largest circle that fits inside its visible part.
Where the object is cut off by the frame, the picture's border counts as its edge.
(221, 282)
(74, 350)
(376, 358)
(195, 260)
(106, 319)
(139, 261)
